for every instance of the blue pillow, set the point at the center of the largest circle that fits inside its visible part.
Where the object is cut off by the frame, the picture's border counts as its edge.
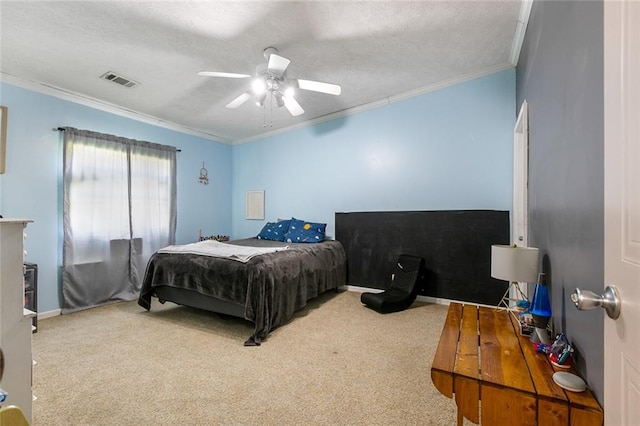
(305, 232)
(274, 230)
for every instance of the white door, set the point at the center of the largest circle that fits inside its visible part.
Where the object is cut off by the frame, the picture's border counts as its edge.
(622, 209)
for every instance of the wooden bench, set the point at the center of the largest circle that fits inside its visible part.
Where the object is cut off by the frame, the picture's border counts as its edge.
(481, 356)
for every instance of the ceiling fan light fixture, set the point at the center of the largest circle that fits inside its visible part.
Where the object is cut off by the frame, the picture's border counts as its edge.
(260, 99)
(258, 85)
(290, 91)
(272, 84)
(279, 100)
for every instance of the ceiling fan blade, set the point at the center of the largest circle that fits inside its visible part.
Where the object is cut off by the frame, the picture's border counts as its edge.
(278, 64)
(222, 74)
(292, 106)
(239, 100)
(318, 86)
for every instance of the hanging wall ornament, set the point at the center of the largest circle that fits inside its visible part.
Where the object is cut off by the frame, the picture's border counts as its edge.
(203, 178)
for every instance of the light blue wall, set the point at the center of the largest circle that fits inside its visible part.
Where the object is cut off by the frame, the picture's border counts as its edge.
(31, 186)
(448, 149)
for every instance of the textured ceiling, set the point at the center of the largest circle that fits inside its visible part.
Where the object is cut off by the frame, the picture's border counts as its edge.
(377, 51)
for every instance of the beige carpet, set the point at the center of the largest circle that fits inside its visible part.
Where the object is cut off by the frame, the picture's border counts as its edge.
(335, 363)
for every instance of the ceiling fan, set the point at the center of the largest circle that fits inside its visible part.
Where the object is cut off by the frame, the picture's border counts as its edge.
(271, 80)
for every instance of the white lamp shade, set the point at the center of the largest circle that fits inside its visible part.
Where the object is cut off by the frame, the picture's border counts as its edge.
(515, 264)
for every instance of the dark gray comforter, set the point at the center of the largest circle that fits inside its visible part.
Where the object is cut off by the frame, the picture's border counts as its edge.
(271, 286)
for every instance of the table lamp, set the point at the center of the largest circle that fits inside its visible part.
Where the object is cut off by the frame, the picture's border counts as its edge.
(541, 310)
(514, 264)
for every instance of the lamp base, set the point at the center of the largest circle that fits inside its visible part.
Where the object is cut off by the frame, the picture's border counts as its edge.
(540, 335)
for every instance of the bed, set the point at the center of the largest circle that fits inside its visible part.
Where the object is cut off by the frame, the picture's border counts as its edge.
(266, 288)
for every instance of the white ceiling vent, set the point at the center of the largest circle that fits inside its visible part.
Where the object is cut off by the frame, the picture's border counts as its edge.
(118, 79)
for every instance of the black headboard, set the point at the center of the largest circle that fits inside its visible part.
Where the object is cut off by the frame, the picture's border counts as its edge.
(455, 244)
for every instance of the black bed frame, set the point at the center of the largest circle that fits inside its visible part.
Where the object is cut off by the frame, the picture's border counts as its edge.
(197, 300)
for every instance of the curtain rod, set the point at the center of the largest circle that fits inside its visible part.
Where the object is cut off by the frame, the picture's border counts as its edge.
(61, 129)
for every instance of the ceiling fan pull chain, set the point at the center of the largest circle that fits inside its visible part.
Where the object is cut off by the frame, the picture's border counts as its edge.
(264, 115)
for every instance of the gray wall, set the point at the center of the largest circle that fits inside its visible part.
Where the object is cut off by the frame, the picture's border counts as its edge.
(560, 75)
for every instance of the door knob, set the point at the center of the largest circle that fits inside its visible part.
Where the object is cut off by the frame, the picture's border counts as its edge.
(609, 300)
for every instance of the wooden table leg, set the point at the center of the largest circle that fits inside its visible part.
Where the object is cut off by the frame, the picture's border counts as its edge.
(467, 398)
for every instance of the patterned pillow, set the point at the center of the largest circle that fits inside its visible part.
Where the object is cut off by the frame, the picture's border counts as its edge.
(274, 230)
(305, 232)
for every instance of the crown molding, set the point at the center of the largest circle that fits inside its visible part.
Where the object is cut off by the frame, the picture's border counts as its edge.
(114, 109)
(521, 30)
(382, 102)
(88, 101)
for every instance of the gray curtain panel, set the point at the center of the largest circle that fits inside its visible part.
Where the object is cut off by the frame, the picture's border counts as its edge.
(119, 208)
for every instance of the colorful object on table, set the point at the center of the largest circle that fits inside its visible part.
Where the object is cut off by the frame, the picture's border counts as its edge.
(563, 361)
(526, 323)
(542, 348)
(561, 351)
(541, 310)
(522, 305)
(540, 304)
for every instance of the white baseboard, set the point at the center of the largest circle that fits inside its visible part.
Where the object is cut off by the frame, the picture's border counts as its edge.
(354, 288)
(428, 299)
(357, 289)
(434, 300)
(439, 301)
(49, 314)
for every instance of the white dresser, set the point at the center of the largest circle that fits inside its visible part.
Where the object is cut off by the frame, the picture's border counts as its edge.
(15, 321)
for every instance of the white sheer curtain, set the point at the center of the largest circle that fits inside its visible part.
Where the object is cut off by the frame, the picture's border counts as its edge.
(119, 208)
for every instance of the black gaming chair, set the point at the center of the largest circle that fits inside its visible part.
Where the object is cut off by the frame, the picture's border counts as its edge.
(404, 287)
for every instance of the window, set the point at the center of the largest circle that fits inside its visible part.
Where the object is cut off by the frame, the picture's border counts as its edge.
(119, 208)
